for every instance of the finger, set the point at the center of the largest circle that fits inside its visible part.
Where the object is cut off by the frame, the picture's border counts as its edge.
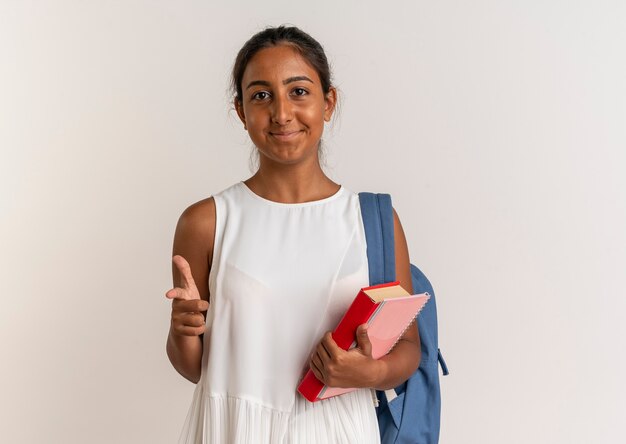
(184, 330)
(318, 362)
(185, 272)
(177, 293)
(330, 345)
(190, 305)
(192, 320)
(317, 372)
(322, 353)
(363, 340)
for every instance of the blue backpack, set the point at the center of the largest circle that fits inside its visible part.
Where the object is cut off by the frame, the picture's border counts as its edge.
(412, 414)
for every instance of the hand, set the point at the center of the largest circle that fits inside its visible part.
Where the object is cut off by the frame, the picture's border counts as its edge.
(187, 307)
(353, 368)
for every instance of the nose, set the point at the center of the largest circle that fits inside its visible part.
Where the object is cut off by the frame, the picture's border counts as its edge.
(282, 110)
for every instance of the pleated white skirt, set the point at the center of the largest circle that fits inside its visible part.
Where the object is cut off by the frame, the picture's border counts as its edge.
(346, 419)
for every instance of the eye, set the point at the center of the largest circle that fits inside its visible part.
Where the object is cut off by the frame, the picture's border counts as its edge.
(300, 92)
(261, 95)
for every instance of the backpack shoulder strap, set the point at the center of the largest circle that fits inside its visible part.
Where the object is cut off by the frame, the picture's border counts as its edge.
(377, 214)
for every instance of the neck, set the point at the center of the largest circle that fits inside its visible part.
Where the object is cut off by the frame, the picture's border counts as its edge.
(302, 182)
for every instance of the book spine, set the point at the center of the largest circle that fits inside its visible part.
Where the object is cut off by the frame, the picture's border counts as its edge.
(310, 387)
(359, 312)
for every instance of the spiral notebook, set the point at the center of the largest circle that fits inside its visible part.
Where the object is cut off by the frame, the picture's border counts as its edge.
(388, 309)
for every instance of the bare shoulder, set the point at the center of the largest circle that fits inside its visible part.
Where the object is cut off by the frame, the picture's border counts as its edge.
(198, 219)
(196, 228)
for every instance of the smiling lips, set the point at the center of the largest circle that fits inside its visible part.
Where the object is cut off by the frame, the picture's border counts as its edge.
(285, 135)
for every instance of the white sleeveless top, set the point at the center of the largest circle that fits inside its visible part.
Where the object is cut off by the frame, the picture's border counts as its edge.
(282, 275)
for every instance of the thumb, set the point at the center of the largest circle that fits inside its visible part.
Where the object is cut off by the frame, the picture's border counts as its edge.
(186, 277)
(363, 340)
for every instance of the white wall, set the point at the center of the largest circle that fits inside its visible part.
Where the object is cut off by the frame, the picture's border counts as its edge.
(498, 126)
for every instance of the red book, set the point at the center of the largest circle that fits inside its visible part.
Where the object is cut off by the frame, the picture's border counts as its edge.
(388, 309)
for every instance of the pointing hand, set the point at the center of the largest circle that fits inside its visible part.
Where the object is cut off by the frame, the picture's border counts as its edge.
(187, 307)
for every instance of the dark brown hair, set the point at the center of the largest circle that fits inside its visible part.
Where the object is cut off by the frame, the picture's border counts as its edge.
(307, 46)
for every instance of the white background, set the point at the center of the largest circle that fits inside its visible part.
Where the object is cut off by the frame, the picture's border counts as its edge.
(499, 127)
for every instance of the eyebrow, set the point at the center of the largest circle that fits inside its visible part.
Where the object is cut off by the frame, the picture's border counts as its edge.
(285, 82)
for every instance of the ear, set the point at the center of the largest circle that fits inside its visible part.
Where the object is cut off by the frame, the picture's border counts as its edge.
(240, 113)
(330, 102)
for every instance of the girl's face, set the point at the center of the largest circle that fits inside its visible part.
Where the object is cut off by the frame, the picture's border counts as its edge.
(283, 106)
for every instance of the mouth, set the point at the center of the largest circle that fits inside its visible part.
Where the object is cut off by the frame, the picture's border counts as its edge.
(284, 135)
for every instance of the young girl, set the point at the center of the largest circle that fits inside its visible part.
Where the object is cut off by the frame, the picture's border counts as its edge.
(275, 261)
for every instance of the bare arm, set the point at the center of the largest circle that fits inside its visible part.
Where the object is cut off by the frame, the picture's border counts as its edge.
(403, 360)
(192, 251)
